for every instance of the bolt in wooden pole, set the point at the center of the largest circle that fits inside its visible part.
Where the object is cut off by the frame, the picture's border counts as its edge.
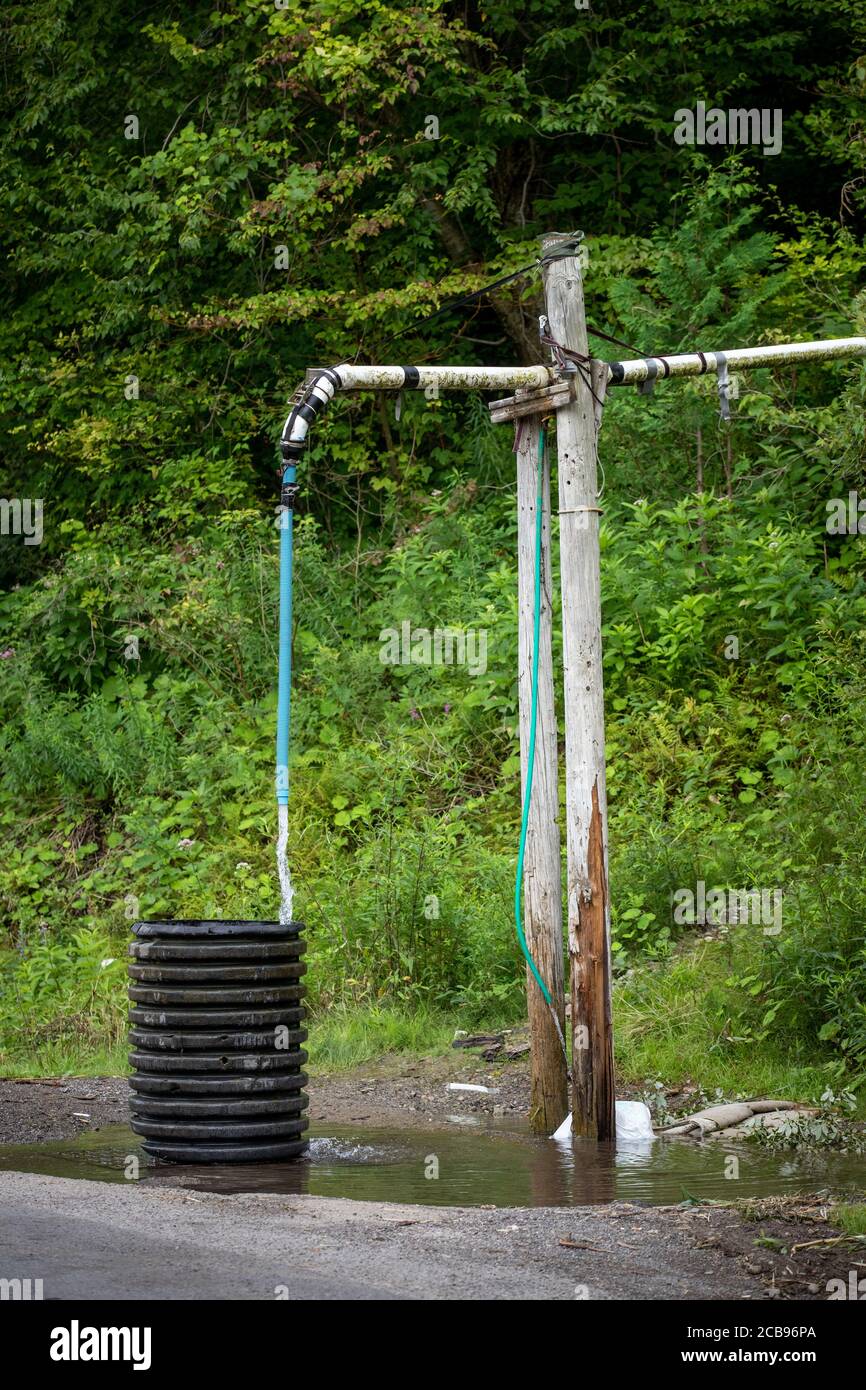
(542, 892)
(593, 1102)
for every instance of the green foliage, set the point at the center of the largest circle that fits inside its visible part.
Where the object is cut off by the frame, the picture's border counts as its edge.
(343, 1038)
(277, 205)
(851, 1218)
(64, 995)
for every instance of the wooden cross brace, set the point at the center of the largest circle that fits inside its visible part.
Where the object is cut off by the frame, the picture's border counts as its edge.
(532, 401)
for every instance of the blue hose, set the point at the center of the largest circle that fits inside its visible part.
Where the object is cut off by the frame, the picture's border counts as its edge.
(284, 685)
(530, 763)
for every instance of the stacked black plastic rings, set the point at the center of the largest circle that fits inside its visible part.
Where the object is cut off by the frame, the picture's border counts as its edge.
(215, 1031)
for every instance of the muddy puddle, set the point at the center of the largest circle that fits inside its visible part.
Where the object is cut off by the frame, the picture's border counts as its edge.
(473, 1165)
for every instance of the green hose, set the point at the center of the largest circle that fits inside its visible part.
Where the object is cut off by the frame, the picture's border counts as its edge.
(530, 763)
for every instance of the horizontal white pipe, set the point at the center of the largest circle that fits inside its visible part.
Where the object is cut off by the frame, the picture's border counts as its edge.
(695, 364)
(355, 378)
(348, 377)
(325, 383)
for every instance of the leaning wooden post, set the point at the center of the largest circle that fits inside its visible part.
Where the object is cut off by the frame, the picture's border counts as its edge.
(593, 1102)
(542, 891)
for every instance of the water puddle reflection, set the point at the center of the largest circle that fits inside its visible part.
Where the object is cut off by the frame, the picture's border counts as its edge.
(478, 1165)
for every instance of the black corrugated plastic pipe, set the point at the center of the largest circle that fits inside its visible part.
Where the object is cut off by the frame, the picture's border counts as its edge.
(215, 1029)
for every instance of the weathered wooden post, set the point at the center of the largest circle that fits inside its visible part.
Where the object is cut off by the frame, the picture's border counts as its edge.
(593, 1100)
(542, 876)
(542, 891)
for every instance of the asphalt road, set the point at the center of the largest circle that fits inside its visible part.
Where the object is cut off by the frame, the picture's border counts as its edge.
(98, 1240)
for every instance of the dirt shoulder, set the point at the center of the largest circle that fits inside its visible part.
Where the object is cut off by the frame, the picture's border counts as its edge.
(59, 1108)
(377, 1093)
(785, 1242)
(34, 1111)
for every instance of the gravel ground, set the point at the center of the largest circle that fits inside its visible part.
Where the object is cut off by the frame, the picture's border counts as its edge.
(390, 1089)
(106, 1240)
(35, 1110)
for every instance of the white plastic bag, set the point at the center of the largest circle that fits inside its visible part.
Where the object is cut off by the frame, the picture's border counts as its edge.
(633, 1124)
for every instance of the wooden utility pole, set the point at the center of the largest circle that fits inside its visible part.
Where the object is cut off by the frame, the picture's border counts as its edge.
(593, 1101)
(542, 891)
